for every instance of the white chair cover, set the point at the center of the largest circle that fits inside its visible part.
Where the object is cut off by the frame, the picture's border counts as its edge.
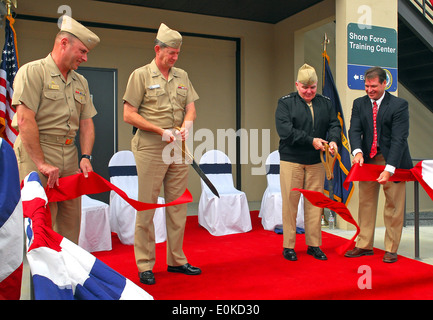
(230, 213)
(123, 174)
(271, 208)
(95, 232)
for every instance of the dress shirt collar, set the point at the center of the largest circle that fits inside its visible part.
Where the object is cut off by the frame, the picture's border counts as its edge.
(55, 71)
(378, 101)
(156, 72)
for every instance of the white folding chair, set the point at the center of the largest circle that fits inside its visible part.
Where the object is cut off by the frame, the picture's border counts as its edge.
(271, 208)
(230, 213)
(95, 231)
(123, 174)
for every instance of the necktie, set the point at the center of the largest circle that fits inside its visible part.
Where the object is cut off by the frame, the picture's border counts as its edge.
(374, 145)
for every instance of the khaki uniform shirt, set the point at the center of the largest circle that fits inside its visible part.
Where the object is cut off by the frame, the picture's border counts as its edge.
(59, 104)
(161, 102)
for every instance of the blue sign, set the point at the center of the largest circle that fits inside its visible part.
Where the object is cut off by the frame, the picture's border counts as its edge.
(369, 46)
(355, 77)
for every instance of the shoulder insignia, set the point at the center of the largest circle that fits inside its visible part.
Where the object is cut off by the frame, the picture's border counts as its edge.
(321, 95)
(285, 97)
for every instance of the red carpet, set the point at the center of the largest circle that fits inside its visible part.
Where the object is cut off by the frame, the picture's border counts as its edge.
(250, 266)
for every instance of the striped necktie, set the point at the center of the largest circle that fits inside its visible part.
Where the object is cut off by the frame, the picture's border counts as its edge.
(374, 145)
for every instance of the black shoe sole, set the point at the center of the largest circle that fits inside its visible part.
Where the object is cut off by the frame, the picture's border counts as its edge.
(148, 281)
(188, 273)
(290, 257)
(317, 257)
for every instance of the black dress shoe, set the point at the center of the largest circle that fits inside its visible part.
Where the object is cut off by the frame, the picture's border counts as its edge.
(289, 254)
(316, 253)
(185, 269)
(147, 277)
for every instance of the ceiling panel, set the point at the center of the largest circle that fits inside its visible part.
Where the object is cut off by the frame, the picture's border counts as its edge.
(267, 11)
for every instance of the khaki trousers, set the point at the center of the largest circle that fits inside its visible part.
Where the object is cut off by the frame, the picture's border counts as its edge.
(393, 213)
(65, 215)
(309, 177)
(153, 173)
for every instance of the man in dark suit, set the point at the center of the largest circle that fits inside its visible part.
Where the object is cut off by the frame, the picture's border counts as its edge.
(379, 128)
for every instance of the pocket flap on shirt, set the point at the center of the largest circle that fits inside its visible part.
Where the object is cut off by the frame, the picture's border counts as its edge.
(53, 95)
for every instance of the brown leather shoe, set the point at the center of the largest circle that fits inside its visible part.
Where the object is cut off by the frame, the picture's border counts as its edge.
(390, 257)
(358, 252)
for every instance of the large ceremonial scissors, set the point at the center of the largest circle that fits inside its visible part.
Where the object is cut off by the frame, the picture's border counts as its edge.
(197, 168)
(329, 161)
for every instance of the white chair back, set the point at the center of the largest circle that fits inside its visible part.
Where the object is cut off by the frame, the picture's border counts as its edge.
(228, 214)
(123, 173)
(218, 168)
(273, 171)
(271, 205)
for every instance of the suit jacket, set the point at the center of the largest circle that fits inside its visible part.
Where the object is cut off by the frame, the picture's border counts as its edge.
(392, 129)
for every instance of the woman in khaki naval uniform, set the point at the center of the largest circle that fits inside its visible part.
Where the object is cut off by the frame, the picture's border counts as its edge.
(52, 103)
(158, 99)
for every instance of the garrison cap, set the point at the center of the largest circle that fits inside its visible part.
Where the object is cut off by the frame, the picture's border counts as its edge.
(307, 75)
(87, 37)
(168, 36)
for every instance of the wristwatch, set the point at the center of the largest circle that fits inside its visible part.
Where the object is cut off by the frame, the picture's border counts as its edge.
(86, 156)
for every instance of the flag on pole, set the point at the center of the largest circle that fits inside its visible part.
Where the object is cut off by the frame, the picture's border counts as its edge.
(11, 225)
(61, 270)
(341, 170)
(8, 69)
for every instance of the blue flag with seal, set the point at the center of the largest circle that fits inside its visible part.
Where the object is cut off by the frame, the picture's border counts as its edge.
(342, 167)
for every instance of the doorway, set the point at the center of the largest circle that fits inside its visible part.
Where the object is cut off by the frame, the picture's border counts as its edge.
(103, 90)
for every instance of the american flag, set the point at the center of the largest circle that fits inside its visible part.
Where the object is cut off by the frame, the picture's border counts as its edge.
(8, 69)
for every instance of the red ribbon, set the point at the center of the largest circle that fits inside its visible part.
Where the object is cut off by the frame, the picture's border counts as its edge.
(318, 199)
(77, 185)
(366, 172)
(370, 172)
(72, 187)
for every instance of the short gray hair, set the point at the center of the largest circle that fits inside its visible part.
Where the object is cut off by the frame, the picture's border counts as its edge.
(62, 34)
(160, 43)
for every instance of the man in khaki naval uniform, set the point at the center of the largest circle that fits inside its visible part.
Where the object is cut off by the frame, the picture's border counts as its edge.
(52, 103)
(158, 99)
